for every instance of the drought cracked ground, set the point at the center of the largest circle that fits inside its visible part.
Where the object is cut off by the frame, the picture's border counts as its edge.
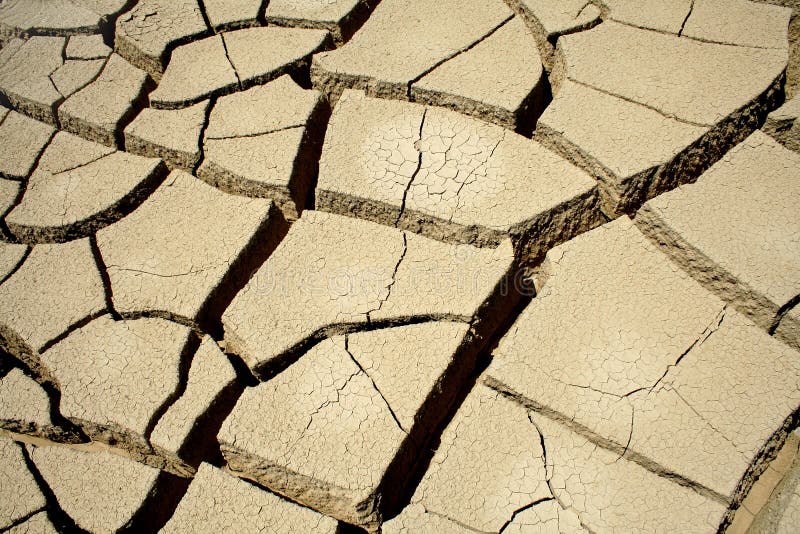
(399, 266)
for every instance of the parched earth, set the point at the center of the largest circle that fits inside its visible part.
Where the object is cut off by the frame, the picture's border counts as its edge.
(399, 266)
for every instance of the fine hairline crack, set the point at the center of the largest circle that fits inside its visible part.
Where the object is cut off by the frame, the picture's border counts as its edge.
(455, 54)
(548, 476)
(228, 57)
(374, 385)
(394, 280)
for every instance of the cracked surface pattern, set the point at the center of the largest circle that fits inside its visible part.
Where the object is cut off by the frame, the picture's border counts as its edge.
(630, 379)
(118, 485)
(38, 523)
(96, 187)
(505, 266)
(170, 134)
(487, 431)
(22, 140)
(679, 84)
(218, 501)
(56, 17)
(757, 271)
(36, 77)
(404, 40)
(382, 274)
(258, 143)
(20, 492)
(520, 472)
(147, 34)
(173, 266)
(210, 373)
(98, 111)
(314, 424)
(56, 287)
(782, 124)
(242, 58)
(22, 401)
(447, 176)
(117, 373)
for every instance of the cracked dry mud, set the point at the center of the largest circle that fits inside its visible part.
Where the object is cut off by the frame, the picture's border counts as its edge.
(509, 266)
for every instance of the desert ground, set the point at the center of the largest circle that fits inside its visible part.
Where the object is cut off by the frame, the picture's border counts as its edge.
(399, 266)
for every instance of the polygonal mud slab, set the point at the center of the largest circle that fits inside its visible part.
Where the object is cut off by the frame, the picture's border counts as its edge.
(217, 501)
(136, 382)
(692, 81)
(79, 187)
(22, 141)
(233, 61)
(340, 17)
(87, 47)
(56, 288)
(353, 274)
(186, 249)
(226, 15)
(104, 492)
(547, 20)
(663, 125)
(56, 17)
(736, 229)
(25, 409)
(36, 79)
(498, 468)
(739, 22)
(402, 41)
(262, 143)
(782, 124)
(172, 135)
(449, 177)
(115, 376)
(696, 392)
(146, 34)
(20, 495)
(100, 110)
(340, 428)
(476, 83)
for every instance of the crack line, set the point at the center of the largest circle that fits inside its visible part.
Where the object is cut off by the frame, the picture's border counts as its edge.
(257, 134)
(176, 275)
(201, 141)
(689, 14)
(702, 338)
(648, 106)
(394, 279)
(85, 164)
(455, 54)
(233, 66)
(549, 476)
(782, 311)
(374, 385)
(418, 146)
(522, 509)
(453, 520)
